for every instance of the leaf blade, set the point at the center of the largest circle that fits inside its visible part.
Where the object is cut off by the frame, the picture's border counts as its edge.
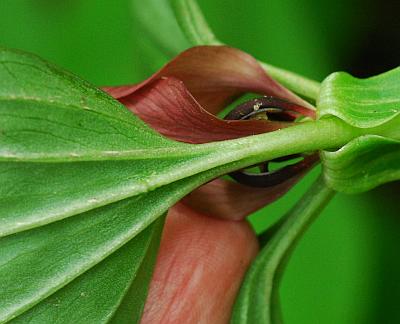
(103, 287)
(371, 105)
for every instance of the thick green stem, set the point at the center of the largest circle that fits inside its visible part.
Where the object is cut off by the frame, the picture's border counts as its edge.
(329, 133)
(258, 299)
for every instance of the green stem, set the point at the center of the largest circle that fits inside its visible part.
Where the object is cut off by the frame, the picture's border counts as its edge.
(325, 134)
(258, 299)
(194, 25)
(301, 85)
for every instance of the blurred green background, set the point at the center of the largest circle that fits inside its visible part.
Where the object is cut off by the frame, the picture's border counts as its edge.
(345, 269)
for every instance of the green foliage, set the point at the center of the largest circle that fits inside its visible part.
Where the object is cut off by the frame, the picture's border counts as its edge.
(157, 21)
(362, 164)
(363, 103)
(372, 105)
(83, 182)
(82, 176)
(193, 23)
(75, 159)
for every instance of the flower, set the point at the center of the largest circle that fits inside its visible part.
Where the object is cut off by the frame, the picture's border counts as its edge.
(180, 102)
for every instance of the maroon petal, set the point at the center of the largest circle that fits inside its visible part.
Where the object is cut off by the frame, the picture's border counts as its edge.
(215, 75)
(168, 107)
(234, 201)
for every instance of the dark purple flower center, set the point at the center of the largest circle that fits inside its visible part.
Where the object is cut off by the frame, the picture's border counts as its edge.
(271, 109)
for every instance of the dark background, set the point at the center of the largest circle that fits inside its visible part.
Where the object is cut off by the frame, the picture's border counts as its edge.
(346, 268)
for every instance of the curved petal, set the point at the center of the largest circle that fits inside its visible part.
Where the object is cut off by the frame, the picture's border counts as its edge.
(168, 107)
(234, 201)
(215, 75)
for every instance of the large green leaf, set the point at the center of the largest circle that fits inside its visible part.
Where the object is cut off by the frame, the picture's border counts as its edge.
(111, 282)
(58, 139)
(258, 299)
(81, 176)
(66, 147)
(34, 264)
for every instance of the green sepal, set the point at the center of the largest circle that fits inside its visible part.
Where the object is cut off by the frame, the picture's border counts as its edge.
(362, 164)
(362, 103)
(372, 107)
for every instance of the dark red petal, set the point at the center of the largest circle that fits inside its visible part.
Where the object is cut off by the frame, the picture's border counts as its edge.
(215, 75)
(168, 107)
(234, 201)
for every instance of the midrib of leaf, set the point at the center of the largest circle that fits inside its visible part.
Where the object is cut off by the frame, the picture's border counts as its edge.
(148, 174)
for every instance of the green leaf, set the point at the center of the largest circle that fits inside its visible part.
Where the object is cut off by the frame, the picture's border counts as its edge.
(35, 264)
(58, 138)
(372, 105)
(118, 283)
(81, 177)
(362, 164)
(258, 299)
(50, 115)
(131, 307)
(157, 20)
(363, 103)
(68, 148)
